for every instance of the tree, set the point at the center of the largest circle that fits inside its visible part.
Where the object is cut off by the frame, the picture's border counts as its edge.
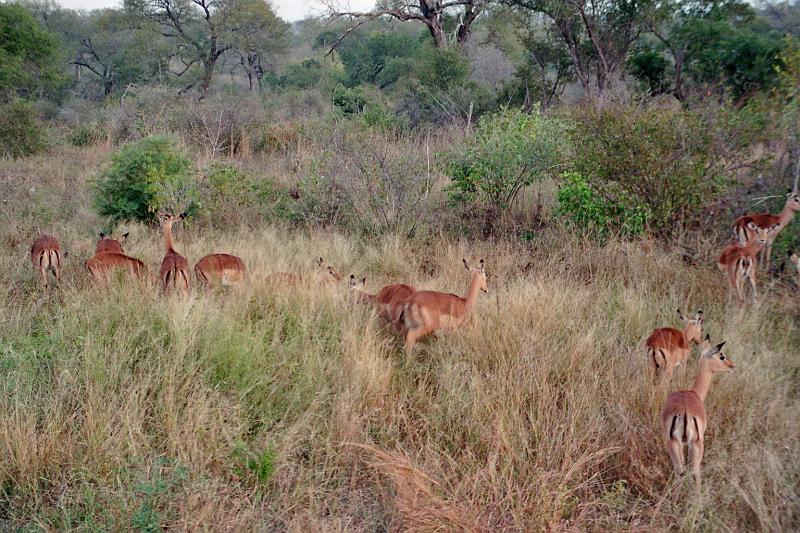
(433, 14)
(374, 58)
(256, 34)
(27, 54)
(597, 34)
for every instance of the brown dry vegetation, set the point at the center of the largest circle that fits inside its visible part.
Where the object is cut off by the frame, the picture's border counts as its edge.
(267, 408)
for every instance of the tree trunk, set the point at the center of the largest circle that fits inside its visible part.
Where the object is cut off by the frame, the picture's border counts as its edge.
(108, 87)
(208, 74)
(470, 14)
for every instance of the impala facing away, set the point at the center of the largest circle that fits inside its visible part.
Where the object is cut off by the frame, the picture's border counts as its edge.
(46, 255)
(107, 244)
(684, 415)
(426, 312)
(745, 228)
(219, 269)
(668, 348)
(174, 272)
(738, 262)
(324, 275)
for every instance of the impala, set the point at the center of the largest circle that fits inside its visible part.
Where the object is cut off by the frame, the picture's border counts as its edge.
(219, 269)
(426, 312)
(107, 244)
(668, 348)
(102, 263)
(324, 275)
(174, 272)
(745, 228)
(388, 301)
(738, 262)
(46, 255)
(684, 415)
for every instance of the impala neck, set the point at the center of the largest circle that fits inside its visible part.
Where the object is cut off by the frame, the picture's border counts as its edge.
(787, 214)
(702, 380)
(168, 236)
(472, 292)
(753, 246)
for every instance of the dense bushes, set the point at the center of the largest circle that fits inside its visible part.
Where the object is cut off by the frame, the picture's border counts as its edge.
(21, 134)
(145, 176)
(659, 162)
(509, 151)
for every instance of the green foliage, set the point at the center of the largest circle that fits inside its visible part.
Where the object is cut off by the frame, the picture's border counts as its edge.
(595, 214)
(349, 101)
(230, 197)
(21, 134)
(144, 177)
(663, 160)
(26, 54)
(84, 135)
(306, 75)
(442, 69)
(509, 151)
(379, 58)
(650, 67)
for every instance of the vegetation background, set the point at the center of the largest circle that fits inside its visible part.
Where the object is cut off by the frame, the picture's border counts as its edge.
(595, 154)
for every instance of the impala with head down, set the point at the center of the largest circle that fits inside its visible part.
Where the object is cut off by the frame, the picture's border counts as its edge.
(668, 348)
(219, 269)
(388, 301)
(107, 244)
(174, 272)
(324, 274)
(684, 418)
(426, 312)
(738, 263)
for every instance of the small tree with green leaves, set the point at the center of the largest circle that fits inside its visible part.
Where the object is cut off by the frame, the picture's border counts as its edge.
(144, 177)
(509, 151)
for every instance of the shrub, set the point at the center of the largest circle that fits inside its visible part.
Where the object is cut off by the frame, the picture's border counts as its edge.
(509, 151)
(589, 211)
(21, 134)
(84, 135)
(666, 161)
(349, 101)
(145, 176)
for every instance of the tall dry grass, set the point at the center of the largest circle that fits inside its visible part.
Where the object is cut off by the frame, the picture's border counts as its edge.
(267, 408)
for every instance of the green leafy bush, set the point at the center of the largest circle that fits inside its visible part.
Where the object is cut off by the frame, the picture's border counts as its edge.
(349, 101)
(144, 177)
(509, 151)
(598, 216)
(21, 134)
(668, 162)
(84, 135)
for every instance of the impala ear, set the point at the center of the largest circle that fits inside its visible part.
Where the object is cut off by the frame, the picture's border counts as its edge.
(183, 215)
(320, 262)
(680, 315)
(102, 235)
(751, 225)
(364, 281)
(125, 235)
(481, 265)
(466, 265)
(699, 316)
(352, 281)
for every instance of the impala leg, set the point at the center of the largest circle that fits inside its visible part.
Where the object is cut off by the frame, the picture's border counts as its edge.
(767, 255)
(43, 271)
(696, 448)
(752, 278)
(675, 452)
(415, 334)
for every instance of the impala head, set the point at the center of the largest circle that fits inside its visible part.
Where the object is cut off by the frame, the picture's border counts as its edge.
(328, 269)
(715, 357)
(168, 218)
(793, 200)
(694, 326)
(761, 234)
(356, 284)
(480, 272)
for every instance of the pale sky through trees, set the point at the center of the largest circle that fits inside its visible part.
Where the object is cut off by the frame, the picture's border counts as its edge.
(290, 10)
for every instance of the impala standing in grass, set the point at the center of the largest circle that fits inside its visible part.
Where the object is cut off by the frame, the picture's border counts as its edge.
(174, 272)
(746, 227)
(426, 312)
(668, 348)
(324, 275)
(107, 244)
(46, 256)
(219, 269)
(684, 418)
(738, 263)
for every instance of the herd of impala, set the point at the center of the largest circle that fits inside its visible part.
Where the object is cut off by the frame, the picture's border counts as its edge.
(417, 314)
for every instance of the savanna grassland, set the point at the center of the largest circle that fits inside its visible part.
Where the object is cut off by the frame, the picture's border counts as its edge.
(264, 407)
